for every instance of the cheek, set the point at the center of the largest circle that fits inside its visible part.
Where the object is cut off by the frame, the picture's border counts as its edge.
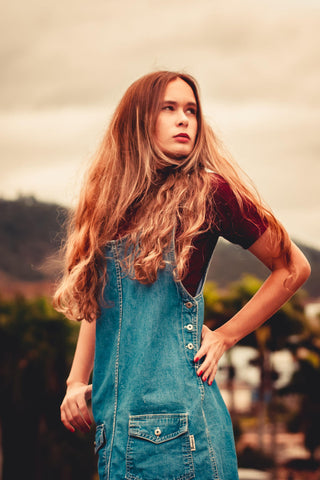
(160, 130)
(196, 126)
(195, 130)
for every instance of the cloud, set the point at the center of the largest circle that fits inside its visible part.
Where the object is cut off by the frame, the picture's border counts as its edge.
(78, 53)
(65, 67)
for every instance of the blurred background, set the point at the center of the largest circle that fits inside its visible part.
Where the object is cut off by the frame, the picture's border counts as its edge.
(64, 69)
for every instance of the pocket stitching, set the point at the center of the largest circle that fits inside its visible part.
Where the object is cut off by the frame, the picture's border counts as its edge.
(137, 426)
(156, 441)
(100, 438)
(181, 430)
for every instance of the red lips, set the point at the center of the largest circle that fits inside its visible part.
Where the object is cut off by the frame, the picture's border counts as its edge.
(182, 135)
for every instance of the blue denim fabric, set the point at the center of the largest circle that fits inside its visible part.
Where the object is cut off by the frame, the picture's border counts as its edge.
(156, 419)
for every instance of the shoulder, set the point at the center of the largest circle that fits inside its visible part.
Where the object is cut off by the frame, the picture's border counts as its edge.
(227, 200)
(234, 216)
(221, 191)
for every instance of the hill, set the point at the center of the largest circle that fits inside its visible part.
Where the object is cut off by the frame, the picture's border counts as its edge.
(230, 262)
(31, 232)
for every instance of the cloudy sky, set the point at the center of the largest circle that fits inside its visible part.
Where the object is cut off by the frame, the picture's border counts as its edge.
(65, 66)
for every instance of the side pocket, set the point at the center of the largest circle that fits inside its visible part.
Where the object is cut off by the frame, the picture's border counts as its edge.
(100, 448)
(100, 438)
(159, 447)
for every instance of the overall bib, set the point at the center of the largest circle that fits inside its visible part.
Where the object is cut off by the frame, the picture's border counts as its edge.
(156, 419)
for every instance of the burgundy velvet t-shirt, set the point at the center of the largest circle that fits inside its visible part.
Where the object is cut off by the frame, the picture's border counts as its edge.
(229, 223)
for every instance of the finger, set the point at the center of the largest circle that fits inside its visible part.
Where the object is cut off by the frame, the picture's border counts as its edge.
(204, 343)
(202, 369)
(65, 422)
(85, 425)
(74, 416)
(211, 372)
(84, 412)
(70, 419)
(212, 375)
(79, 423)
(207, 366)
(69, 426)
(200, 353)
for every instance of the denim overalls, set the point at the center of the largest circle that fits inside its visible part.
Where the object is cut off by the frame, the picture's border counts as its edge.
(156, 419)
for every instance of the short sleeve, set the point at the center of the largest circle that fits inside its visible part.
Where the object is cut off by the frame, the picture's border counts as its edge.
(230, 222)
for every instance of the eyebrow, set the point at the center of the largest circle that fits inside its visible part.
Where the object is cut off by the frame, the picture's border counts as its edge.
(188, 104)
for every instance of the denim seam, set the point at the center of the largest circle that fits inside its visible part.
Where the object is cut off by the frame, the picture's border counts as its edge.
(147, 416)
(116, 371)
(156, 441)
(188, 458)
(210, 447)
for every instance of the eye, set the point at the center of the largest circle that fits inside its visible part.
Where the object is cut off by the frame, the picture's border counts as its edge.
(168, 108)
(192, 111)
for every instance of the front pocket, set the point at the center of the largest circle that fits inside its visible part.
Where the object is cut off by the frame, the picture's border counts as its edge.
(159, 448)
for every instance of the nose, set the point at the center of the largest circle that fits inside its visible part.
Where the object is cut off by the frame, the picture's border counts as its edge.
(182, 118)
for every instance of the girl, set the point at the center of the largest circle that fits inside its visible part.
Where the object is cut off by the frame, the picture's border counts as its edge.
(156, 198)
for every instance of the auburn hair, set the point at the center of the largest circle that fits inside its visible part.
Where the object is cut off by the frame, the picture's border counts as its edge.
(132, 185)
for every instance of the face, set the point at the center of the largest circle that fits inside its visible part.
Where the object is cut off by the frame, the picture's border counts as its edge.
(177, 125)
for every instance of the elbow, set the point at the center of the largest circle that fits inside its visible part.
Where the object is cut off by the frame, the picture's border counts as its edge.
(304, 272)
(300, 274)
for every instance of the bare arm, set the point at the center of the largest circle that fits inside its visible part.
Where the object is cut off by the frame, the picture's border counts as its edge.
(74, 410)
(275, 291)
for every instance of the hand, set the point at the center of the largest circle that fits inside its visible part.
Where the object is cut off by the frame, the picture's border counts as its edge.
(75, 413)
(213, 346)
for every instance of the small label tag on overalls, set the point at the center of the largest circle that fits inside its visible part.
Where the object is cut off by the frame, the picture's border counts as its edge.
(192, 443)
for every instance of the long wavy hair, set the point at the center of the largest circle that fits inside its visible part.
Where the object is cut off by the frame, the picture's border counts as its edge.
(133, 186)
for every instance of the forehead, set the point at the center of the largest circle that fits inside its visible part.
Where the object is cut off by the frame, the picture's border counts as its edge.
(179, 90)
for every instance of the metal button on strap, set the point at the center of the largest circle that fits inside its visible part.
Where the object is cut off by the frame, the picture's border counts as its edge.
(190, 346)
(157, 431)
(189, 304)
(189, 327)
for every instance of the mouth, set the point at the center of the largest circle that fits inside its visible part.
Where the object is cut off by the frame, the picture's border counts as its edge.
(182, 135)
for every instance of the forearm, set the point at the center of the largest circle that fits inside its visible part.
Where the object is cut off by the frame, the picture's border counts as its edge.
(84, 355)
(275, 291)
(265, 303)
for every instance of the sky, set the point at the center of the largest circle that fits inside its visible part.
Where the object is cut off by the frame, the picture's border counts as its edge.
(65, 66)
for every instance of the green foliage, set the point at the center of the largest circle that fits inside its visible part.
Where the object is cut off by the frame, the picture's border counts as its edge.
(221, 306)
(213, 301)
(36, 348)
(304, 384)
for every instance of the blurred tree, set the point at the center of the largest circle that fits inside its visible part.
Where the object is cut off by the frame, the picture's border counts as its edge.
(270, 337)
(305, 385)
(36, 347)
(218, 312)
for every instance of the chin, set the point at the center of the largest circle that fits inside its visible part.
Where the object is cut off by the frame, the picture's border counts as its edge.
(178, 155)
